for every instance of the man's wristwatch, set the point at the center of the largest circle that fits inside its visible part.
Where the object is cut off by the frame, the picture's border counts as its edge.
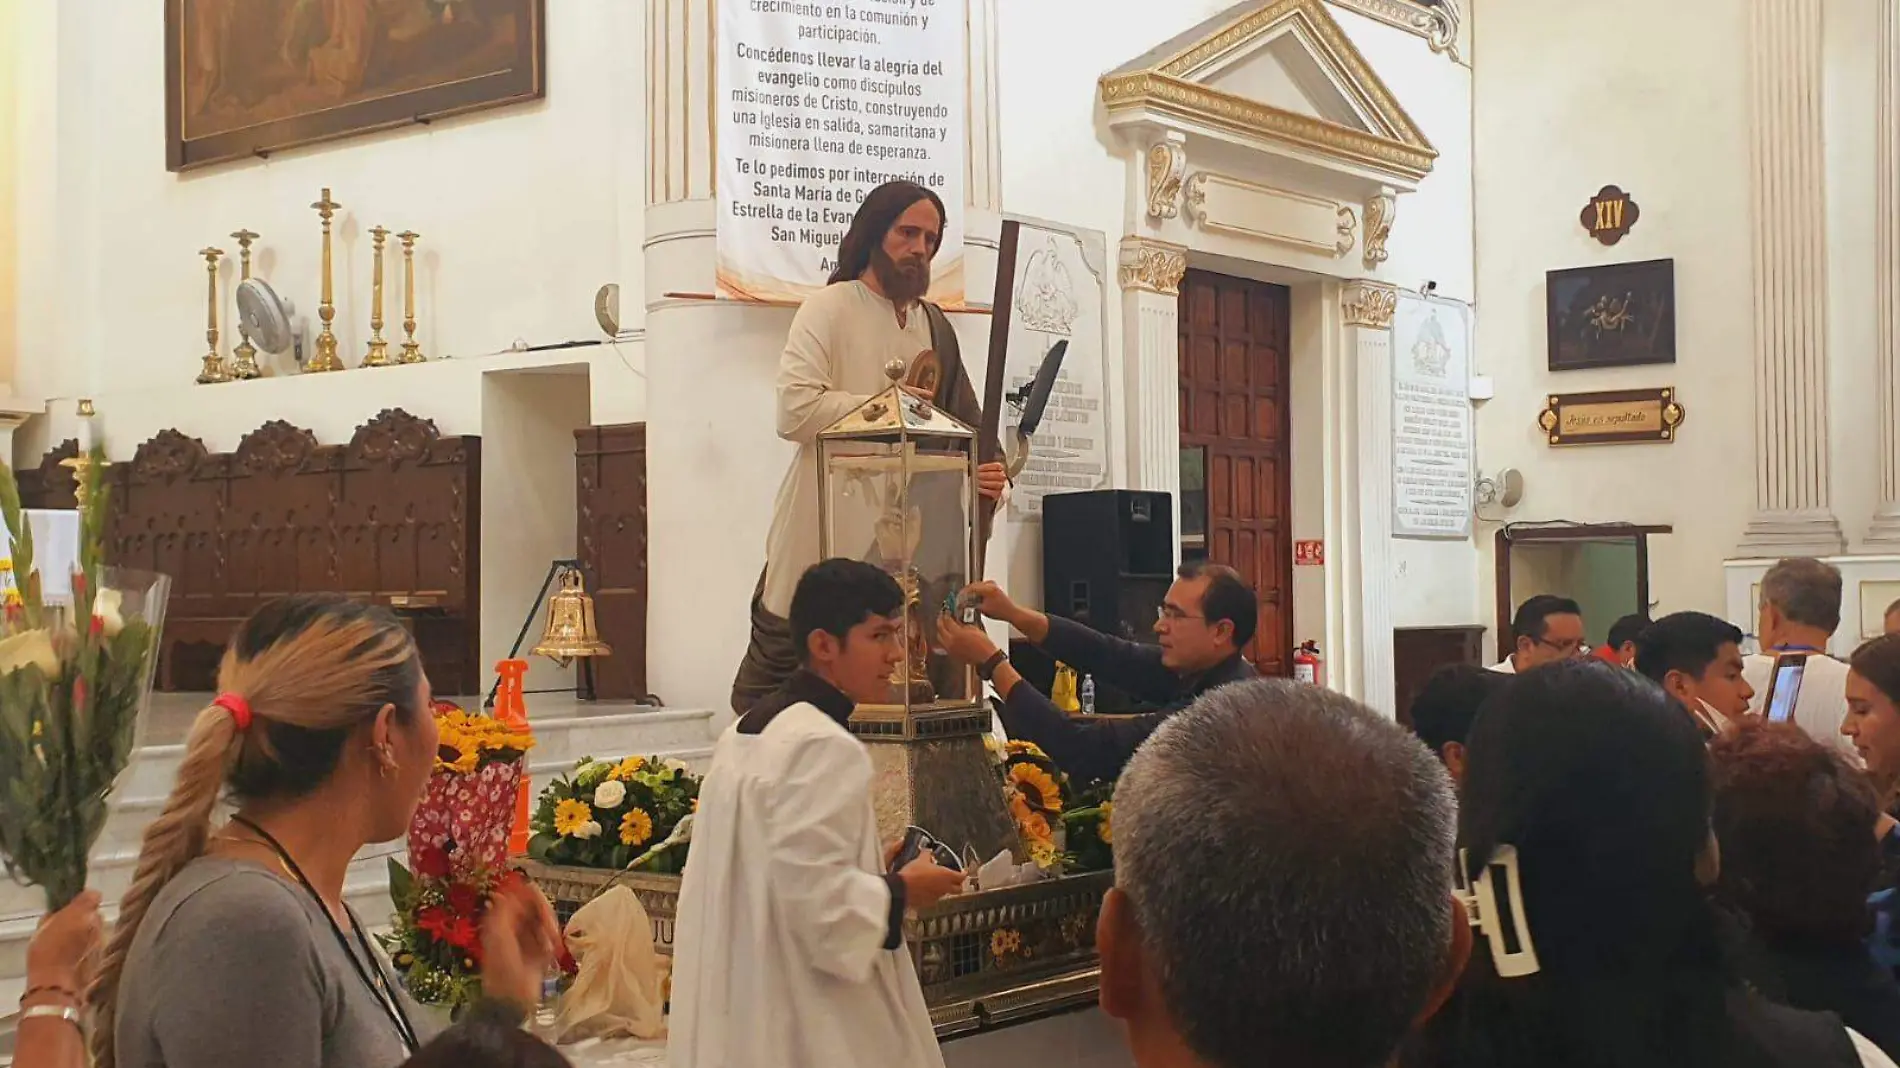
(987, 670)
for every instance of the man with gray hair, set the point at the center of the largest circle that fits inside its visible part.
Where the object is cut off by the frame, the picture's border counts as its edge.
(1800, 611)
(1283, 885)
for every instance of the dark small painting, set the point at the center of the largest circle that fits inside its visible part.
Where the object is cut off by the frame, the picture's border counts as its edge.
(1619, 315)
(248, 77)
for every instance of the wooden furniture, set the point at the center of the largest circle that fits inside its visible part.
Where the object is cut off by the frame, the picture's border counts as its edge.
(392, 517)
(611, 520)
(1417, 652)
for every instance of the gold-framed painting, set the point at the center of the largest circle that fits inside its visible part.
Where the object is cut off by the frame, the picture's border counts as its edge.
(247, 78)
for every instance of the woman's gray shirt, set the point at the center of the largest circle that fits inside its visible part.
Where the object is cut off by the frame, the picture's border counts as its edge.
(234, 967)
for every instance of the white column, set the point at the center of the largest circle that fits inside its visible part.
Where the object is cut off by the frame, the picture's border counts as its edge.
(1792, 511)
(1150, 275)
(1886, 528)
(1366, 321)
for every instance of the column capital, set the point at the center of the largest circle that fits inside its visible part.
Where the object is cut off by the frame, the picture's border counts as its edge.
(1368, 304)
(1153, 266)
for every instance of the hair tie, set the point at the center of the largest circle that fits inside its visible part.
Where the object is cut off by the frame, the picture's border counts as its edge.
(239, 708)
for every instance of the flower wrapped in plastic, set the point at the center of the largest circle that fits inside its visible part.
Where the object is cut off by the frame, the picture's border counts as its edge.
(469, 809)
(75, 680)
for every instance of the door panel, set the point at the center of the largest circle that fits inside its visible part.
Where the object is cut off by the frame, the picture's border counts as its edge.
(1235, 342)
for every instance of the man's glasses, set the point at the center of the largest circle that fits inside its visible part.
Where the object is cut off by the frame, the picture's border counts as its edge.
(1568, 648)
(1170, 614)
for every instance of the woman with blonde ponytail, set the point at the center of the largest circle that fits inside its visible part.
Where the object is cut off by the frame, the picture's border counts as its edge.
(234, 946)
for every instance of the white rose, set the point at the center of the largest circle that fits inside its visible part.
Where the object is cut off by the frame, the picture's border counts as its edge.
(106, 606)
(33, 647)
(609, 794)
(676, 764)
(590, 829)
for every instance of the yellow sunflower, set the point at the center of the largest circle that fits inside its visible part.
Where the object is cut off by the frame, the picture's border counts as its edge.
(1005, 943)
(12, 598)
(1107, 830)
(636, 827)
(466, 762)
(1037, 787)
(1044, 855)
(1027, 749)
(571, 816)
(627, 769)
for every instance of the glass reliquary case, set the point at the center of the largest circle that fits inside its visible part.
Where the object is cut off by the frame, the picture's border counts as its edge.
(897, 488)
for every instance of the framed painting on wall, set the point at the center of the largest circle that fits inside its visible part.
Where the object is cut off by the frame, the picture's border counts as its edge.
(1619, 315)
(250, 77)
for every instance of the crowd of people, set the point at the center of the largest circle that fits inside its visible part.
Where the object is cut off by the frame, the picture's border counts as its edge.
(1578, 856)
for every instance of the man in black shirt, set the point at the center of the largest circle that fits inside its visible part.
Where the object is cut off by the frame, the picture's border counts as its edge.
(1207, 618)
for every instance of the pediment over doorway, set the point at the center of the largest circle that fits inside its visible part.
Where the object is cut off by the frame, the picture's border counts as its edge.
(1279, 77)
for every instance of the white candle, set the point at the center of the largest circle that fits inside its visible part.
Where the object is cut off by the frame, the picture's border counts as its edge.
(88, 434)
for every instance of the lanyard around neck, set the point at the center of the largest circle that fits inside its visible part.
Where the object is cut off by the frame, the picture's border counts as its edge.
(392, 1006)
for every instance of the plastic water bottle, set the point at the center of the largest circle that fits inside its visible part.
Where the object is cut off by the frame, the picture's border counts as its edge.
(1088, 695)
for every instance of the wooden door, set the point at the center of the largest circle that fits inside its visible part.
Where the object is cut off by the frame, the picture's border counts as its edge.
(611, 463)
(1235, 341)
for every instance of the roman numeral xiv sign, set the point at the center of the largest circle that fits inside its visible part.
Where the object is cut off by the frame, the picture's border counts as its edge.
(1609, 215)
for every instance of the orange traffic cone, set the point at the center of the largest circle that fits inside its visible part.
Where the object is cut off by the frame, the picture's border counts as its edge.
(511, 709)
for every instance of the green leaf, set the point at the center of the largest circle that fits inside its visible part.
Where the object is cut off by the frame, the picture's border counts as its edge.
(402, 887)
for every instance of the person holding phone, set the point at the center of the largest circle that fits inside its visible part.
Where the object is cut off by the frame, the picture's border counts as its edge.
(1800, 611)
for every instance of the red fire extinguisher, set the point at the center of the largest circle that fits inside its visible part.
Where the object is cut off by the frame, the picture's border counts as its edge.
(1307, 666)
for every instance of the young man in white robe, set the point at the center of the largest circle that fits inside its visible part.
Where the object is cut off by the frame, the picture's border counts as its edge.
(789, 945)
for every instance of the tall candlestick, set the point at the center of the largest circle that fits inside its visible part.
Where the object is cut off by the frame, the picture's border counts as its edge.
(325, 358)
(244, 357)
(411, 352)
(378, 348)
(81, 465)
(214, 369)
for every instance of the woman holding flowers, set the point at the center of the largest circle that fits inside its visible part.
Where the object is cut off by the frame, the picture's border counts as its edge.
(235, 947)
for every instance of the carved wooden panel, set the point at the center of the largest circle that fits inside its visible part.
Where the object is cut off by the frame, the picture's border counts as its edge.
(611, 468)
(49, 485)
(392, 517)
(1235, 345)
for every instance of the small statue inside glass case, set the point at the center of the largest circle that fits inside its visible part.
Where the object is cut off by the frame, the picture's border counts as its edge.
(898, 489)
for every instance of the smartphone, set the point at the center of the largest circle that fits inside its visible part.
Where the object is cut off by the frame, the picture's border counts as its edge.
(1784, 687)
(917, 842)
(960, 609)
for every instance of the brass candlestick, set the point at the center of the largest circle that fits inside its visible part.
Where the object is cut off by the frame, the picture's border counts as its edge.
(411, 352)
(214, 369)
(244, 357)
(378, 348)
(81, 465)
(325, 358)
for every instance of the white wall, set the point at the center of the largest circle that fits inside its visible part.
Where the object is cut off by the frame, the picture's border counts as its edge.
(524, 212)
(1664, 117)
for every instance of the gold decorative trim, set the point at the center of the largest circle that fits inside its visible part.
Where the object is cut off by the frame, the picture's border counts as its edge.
(1167, 163)
(1381, 212)
(1168, 86)
(1369, 304)
(1347, 222)
(1437, 24)
(1154, 266)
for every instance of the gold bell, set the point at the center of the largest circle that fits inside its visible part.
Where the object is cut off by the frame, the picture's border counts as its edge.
(570, 634)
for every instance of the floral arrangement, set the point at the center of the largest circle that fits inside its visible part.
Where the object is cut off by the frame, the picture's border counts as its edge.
(436, 943)
(469, 743)
(631, 813)
(1089, 829)
(73, 680)
(458, 842)
(1038, 793)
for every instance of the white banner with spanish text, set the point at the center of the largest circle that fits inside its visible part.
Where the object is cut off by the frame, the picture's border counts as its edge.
(818, 103)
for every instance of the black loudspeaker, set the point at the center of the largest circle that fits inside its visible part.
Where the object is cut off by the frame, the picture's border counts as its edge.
(1108, 559)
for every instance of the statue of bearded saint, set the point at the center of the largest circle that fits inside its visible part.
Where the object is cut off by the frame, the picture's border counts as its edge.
(898, 534)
